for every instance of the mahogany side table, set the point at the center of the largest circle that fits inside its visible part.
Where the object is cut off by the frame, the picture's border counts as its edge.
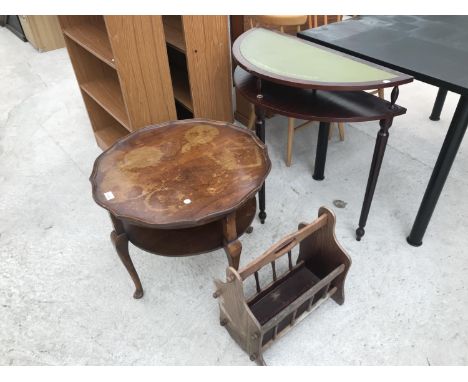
(289, 76)
(181, 188)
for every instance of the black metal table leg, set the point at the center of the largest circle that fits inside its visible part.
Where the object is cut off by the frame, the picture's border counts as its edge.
(441, 170)
(260, 131)
(438, 105)
(321, 153)
(379, 151)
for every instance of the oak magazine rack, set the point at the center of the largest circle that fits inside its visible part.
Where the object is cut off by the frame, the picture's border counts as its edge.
(255, 322)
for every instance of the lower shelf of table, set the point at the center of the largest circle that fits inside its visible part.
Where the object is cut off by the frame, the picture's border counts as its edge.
(315, 105)
(188, 241)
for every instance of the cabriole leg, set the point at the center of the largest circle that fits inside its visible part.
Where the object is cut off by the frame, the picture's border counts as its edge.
(232, 246)
(233, 251)
(121, 246)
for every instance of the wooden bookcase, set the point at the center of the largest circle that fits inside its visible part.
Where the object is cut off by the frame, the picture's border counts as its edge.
(134, 71)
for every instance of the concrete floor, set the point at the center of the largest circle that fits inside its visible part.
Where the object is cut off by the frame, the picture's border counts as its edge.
(65, 298)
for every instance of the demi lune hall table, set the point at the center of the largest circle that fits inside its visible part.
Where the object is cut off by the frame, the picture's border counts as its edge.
(432, 49)
(295, 78)
(181, 188)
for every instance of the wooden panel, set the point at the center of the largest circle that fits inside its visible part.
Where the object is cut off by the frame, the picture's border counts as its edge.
(98, 80)
(89, 32)
(209, 66)
(140, 54)
(106, 92)
(174, 32)
(243, 109)
(43, 32)
(106, 136)
(235, 315)
(106, 129)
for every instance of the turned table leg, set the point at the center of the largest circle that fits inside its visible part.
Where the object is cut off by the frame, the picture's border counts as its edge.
(321, 153)
(260, 131)
(120, 240)
(379, 151)
(232, 245)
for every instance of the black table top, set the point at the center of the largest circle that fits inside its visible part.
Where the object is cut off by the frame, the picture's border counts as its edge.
(433, 49)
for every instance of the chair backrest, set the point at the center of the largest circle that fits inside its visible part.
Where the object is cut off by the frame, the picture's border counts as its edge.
(314, 21)
(279, 21)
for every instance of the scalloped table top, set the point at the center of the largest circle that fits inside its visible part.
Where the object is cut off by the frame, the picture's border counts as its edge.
(180, 174)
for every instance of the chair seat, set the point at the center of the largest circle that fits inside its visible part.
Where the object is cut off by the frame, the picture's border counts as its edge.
(315, 105)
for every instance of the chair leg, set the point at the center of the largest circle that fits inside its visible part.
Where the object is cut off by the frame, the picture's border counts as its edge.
(290, 141)
(330, 132)
(381, 93)
(251, 122)
(260, 131)
(341, 130)
(321, 153)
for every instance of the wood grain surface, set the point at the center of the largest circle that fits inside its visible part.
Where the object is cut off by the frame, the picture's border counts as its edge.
(180, 174)
(140, 54)
(209, 66)
(43, 32)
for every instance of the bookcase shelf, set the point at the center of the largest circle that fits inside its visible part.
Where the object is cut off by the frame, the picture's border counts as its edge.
(90, 32)
(180, 77)
(106, 128)
(106, 136)
(106, 92)
(181, 86)
(174, 33)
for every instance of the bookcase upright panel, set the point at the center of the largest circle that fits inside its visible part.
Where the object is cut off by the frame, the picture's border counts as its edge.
(140, 54)
(209, 66)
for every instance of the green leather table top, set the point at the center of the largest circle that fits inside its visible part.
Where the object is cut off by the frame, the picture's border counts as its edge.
(292, 59)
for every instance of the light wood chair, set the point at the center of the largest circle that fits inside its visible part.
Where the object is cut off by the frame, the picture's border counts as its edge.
(282, 23)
